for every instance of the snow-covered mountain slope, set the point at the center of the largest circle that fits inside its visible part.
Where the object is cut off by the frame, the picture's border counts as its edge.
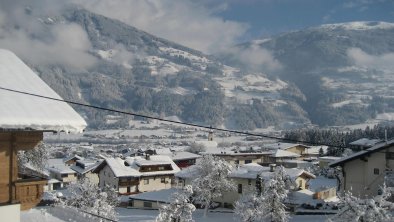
(135, 71)
(345, 70)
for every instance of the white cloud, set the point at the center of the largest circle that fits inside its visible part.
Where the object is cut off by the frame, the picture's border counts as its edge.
(183, 21)
(38, 43)
(255, 58)
(363, 59)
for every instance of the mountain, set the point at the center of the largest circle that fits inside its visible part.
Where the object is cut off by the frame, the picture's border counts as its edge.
(344, 70)
(142, 73)
(320, 79)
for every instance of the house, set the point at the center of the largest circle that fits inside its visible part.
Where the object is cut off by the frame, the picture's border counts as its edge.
(137, 174)
(115, 174)
(157, 171)
(236, 158)
(279, 155)
(245, 177)
(363, 143)
(325, 161)
(23, 120)
(290, 147)
(84, 169)
(151, 200)
(71, 160)
(183, 159)
(365, 171)
(59, 170)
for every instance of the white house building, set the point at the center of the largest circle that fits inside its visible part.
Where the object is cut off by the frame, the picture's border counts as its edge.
(365, 172)
(137, 174)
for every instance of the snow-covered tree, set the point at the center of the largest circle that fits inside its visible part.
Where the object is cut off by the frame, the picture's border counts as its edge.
(36, 158)
(212, 180)
(180, 209)
(274, 193)
(364, 210)
(265, 203)
(89, 197)
(249, 208)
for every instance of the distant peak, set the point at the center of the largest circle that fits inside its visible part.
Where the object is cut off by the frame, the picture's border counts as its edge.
(360, 25)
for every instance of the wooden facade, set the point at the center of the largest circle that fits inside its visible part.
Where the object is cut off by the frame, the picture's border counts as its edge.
(16, 188)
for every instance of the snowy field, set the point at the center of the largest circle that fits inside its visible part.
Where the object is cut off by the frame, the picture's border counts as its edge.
(39, 214)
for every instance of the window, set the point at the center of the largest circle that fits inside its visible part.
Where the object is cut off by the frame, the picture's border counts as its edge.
(148, 204)
(114, 186)
(161, 168)
(390, 155)
(236, 161)
(248, 161)
(239, 188)
(249, 182)
(146, 181)
(376, 171)
(163, 180)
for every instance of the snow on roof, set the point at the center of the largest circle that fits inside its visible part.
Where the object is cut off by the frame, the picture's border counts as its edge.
(357, 155)
(251, 170)
(283, 146)
(163, 196)
(190, 172)
(120, 170)
(154, 160)
(283, 153)
(89, 166)
(72, 157)
(58, 166)
(316, 149)
(19, 111)
(321, 181)
(329, 158)
(183, 155)
(365, 142)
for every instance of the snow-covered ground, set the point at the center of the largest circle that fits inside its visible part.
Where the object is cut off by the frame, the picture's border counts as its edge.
(39, 214)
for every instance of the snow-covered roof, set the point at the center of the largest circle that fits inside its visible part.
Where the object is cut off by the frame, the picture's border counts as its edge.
(316, 149)
(20, 111)
(190, 172)
(120, 170)
(183, 155)
(88, 166)
(283, 146)
(365, 142)
(72, 157)
(163, 196)
(154, 160)
(329, 158)
(283, 153)
(368, 151)
(251, 170)
(58, 166)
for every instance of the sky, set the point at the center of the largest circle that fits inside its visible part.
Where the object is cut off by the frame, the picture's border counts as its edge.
(210, 26)
(270, 17)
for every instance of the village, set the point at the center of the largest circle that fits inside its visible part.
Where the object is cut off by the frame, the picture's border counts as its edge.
(146, 167)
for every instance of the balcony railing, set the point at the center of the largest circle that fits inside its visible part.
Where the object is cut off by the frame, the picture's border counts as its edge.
(28, 191)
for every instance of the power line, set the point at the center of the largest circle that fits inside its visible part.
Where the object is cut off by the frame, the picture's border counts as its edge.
(170, 121)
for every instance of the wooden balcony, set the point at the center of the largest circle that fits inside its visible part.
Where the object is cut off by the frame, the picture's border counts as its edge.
(128, 183)
(28, 191)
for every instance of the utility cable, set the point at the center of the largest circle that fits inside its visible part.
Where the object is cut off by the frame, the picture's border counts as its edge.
(170, 121)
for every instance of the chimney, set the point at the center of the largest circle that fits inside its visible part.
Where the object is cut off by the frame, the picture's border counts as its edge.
(272, 167)
(385, 135)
